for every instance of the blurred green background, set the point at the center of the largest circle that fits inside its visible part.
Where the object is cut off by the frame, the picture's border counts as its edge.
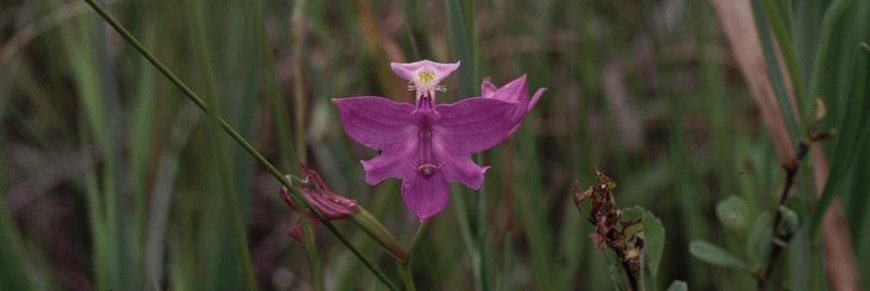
(112, 179)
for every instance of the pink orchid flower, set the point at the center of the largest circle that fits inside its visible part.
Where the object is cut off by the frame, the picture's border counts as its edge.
(430, 145)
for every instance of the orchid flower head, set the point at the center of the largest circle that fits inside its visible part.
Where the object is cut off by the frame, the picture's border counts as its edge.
(424, 76)
(429, 145)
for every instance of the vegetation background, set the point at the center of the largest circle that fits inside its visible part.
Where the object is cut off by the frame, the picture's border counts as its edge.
(112, 179)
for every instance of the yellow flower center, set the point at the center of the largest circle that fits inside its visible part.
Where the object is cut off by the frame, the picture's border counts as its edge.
(425, 77)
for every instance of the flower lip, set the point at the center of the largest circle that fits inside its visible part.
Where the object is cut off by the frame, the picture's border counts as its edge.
(424, 76)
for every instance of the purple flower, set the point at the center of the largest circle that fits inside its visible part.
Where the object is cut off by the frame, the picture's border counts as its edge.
(429, 145)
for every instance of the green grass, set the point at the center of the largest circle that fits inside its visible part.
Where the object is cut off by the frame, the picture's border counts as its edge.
(159, 197)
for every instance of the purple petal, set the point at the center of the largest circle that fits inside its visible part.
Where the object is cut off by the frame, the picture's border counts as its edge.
(474, 124)
(458, 166)
(409, 71)
(536, 97)
(390, 164)
(514, 91)
(383, 125)
(519, 117)
(376, 122)
(487, 89)
(425, 196)
(331, 206)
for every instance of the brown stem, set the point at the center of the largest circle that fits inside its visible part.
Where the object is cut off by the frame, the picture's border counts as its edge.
(791, 168)
(627, 268)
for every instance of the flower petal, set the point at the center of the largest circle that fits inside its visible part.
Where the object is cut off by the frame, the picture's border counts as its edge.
(514, 91)
(536, 97)
(390, 164)
(410, 71)
(458, 165)
(519, 117)
(487, 89)
(376, 122)
(425, 196)
(474, 124)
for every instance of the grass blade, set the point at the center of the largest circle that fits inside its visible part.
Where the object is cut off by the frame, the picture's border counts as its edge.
(235, 135)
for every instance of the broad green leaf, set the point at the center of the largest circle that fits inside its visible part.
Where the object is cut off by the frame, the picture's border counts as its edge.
(678, 286)
(714, 255)
(758, 242)
(654, 241)
(733, 213)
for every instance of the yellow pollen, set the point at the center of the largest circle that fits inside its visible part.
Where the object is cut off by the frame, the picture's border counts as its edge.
(425, 77)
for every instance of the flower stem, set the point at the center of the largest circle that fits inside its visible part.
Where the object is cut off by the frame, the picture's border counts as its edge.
(791, 167)
(367, 222)
(407, 270)
(237, 137)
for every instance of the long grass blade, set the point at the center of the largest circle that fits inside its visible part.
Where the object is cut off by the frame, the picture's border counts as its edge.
(236, 136)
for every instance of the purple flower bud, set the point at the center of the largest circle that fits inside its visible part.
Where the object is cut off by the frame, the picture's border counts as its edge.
(331, 205)
(296, 231)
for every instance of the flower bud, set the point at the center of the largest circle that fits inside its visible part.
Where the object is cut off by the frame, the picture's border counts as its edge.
(314, 190)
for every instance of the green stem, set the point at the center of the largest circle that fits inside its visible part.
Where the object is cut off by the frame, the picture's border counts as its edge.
(310, 242)
(407, 270)
(237, 137)
(376, 230)
(298, 31)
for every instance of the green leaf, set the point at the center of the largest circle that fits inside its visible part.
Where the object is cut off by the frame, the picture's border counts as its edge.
(714, 255)
(654, 241)
(789, 223)
(799, 206)
(678, 286)
(853, 129)
(758, 242)
(733, 213)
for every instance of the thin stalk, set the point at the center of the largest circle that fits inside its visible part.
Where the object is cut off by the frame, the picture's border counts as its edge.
(791, 168)
(298, 34)
(314, 265)
(407, 270)
(464, 47)
(287, 160)
(237, 137)
(240, 241)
